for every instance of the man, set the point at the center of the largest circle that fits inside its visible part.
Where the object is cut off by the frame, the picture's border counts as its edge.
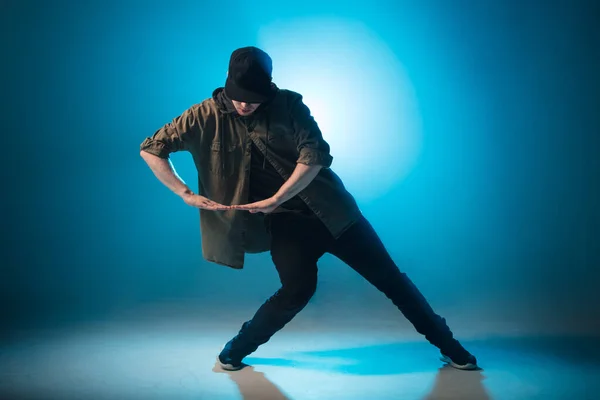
(265, 183)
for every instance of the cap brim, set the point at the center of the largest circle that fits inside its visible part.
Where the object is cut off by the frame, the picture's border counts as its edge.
(234, 92)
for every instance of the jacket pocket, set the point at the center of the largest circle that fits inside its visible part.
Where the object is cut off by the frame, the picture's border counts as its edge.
(223, 159)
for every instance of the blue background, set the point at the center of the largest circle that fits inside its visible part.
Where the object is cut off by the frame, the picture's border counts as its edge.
(496, 220)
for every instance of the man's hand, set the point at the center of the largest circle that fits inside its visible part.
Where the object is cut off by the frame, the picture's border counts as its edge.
(264, 206)
(202, 202)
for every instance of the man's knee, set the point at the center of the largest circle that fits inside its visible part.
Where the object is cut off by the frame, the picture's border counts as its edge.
(299, 295)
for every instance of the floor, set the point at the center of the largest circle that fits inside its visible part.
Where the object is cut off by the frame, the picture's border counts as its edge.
(155, 358)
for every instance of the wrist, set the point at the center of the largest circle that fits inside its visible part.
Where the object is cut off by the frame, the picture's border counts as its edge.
(185, 192)
(277, 198)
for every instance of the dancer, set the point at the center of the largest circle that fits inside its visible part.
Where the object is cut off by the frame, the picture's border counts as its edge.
(265, 184)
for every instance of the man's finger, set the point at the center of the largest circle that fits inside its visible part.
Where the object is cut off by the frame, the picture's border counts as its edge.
(244, 209)
(215, 205)
(215, 208)
(211, 205)
(247, 207)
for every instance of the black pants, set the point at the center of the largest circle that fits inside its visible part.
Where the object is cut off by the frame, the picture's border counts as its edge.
(298, 241)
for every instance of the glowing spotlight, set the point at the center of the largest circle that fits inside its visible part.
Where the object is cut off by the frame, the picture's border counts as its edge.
(358, 93)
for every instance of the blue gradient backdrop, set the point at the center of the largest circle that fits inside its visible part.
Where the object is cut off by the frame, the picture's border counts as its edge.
(491, 203)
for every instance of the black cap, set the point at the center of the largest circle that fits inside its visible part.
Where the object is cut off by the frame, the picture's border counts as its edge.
(249, 76)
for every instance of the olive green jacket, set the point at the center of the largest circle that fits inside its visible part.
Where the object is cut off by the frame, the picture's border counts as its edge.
(219, 141)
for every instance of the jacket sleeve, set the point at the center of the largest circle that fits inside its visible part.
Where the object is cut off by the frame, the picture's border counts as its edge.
(313, 149)
(175, 136)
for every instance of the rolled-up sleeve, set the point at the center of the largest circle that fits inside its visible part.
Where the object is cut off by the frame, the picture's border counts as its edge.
(174, 136)
(313, 149)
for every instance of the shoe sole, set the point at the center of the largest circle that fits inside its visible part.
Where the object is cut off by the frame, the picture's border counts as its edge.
(229, 367)
(466, 367)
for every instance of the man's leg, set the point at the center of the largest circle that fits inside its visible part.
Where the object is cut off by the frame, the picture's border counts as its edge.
(361, 248)
(297, 243)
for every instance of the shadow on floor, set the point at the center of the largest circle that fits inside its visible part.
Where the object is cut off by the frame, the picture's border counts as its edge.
(253, 385)
(384, 359)
(415, 357)
(449, 384)
(421, 357)
(454, 384)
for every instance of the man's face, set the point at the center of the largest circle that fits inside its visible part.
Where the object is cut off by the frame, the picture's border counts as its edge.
(245, 109)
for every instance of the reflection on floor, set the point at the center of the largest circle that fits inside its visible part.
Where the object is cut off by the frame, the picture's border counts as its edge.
(156, 360)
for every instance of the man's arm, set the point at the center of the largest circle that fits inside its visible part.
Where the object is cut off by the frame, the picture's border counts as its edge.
(173, 137)
(165, 172)
(301, 176)
(312, 148)
(313, 152)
